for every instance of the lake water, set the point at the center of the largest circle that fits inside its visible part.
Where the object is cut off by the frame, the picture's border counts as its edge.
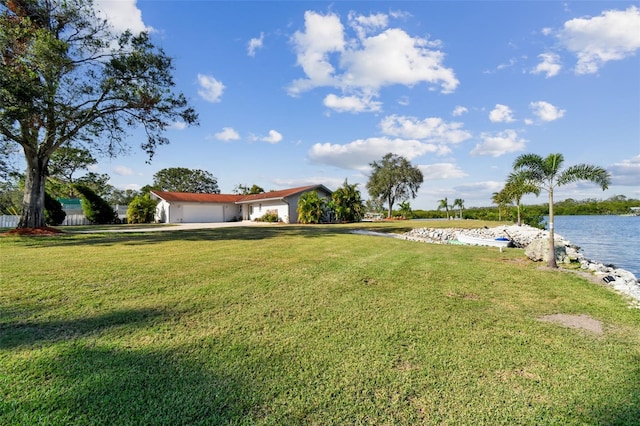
(605, 239)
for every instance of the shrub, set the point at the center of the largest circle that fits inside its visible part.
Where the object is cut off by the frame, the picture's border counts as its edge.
(141, 209)
(269, 216)
(95, 208)
(53, 213)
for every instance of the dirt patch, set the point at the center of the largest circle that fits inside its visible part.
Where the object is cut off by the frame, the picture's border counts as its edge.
(34, 232)
(583, 322)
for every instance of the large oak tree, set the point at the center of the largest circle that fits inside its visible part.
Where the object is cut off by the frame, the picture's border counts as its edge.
(181, 179)
(394, 179)
(67, 80)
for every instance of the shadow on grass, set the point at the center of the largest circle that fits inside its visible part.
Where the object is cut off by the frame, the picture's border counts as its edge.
(17, 333)
(244, 233)
(106, 386)
(623, 410)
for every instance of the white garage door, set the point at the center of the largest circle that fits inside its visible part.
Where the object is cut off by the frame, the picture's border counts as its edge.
(193, 213)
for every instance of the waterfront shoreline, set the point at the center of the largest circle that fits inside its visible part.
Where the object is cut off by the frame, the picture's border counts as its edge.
(619, 279)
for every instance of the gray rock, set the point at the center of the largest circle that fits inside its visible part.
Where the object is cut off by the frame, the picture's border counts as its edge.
(538, 250)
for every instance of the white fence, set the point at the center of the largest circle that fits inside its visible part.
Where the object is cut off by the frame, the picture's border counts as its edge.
(74, 217)
(9, 221)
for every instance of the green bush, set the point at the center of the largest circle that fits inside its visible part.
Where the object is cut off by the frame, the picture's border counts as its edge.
(269, 216)
(141, 209)
(95, 208)
(53, 213)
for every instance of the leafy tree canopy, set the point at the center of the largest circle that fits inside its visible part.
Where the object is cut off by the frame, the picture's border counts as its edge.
(346, 203)
(67, 160)
(245, 190)
(311, 207)
(180, 179)
(394, 179)
(67, 79)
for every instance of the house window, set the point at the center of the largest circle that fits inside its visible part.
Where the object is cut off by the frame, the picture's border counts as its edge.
(250, 209)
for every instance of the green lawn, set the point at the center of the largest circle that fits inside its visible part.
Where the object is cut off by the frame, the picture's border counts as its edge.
(289, 325)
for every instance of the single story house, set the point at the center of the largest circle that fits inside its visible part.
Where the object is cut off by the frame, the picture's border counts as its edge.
(183, 207)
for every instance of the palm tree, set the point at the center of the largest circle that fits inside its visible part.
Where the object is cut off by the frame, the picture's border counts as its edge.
(311, 207)
(500, 199)
(444, 204)
(516, 187)
(459, 202)
(346, 203)
(547, 173)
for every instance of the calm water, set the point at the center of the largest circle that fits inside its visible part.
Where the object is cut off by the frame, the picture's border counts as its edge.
(605, 239)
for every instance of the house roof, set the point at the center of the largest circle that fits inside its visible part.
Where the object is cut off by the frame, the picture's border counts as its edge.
(187, 197)
(278, 195)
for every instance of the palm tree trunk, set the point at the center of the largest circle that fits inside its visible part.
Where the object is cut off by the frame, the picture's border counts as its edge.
(551, 263)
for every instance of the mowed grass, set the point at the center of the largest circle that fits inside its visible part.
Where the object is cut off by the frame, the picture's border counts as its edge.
(289, 325)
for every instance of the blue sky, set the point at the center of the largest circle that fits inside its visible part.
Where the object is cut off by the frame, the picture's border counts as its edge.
(293, 93)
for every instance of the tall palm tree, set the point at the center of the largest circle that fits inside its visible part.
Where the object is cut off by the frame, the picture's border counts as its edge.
(518, 186)
(499, 198)
(444, 204)
(459, 202)
(547, 173)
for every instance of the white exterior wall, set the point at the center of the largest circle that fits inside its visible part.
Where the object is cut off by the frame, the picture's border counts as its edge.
(260, 208)
(202, 212)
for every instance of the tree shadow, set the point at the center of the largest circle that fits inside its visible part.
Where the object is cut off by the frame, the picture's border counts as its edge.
(623, 410)
(244, 233)
(107, 386)
(64, 378)
(15, 334)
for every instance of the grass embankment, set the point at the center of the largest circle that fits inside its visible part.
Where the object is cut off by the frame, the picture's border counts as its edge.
(302, 325)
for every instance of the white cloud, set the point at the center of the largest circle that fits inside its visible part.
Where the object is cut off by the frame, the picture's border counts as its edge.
(351, 103)
(626, 173)
(393, 57)
(273, 138)
(501, 114)
(596, 40)
(364, 64)
(123, 171)
(459, 110)
(364, 25)
(431, 129)
(227, 134)
(324, 34)
(358, 154)
(499, 144)
(549, 65)
(441, 171)
(210, 89)
(178, 125)
(254, 44)
(545, 111)
(122, 15)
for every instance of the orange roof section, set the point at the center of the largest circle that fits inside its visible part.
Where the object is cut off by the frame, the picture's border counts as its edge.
(276, 195)
(187, 197)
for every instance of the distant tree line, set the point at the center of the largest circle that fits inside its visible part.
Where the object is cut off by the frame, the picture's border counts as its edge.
(616, 205)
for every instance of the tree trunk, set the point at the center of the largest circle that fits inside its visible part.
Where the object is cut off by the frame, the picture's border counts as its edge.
(33, 199)
(390, 213)
(551, 263)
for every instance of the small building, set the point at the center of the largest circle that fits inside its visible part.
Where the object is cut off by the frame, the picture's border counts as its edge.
(183, 207)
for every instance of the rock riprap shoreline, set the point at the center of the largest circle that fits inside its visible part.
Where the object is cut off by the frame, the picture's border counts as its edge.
(536, 242)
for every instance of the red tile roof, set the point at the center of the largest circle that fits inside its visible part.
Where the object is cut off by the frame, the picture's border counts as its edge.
(276, 195)
(187, 197)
